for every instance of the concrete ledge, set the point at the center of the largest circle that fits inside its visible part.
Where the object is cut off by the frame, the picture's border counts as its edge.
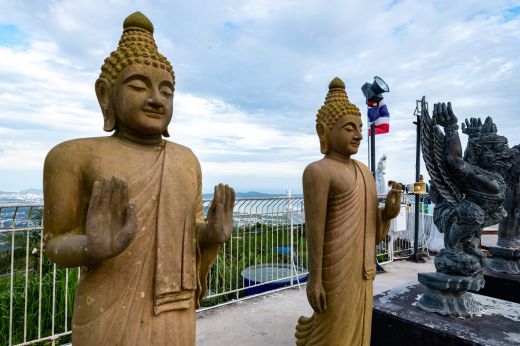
(501, 286)
(397, 321)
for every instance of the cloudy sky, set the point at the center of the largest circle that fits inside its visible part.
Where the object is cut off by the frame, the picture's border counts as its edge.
(252, 74)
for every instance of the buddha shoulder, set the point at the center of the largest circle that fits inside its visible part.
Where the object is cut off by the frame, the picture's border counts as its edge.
(364, 168)
(317, 170)
(181, 151)
(81, 147)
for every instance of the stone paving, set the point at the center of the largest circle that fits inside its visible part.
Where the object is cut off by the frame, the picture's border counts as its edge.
(271, 319)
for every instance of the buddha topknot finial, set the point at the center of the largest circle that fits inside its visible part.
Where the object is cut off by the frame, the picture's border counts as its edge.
(138, 21)
(336, 83)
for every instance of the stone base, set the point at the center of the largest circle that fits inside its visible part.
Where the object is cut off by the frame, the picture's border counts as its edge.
(448, 294)
(501, 286)
(504, 260)
(398, 321)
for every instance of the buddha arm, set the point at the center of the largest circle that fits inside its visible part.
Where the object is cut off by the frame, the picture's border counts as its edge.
(64, 237)
(206, 251)
(315, 194)
(382, 226)
(388, 212)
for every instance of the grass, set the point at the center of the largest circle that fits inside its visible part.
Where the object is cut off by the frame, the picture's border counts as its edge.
(34, 316)
(251, 245)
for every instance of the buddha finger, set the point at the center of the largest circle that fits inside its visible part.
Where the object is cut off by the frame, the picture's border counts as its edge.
(216, 197)
(227, 202)
(124, 194)
(105, 194)
(95, 198)
(222, 199)
(115, 196)
(130, 216)
(323, 301)
(312, 301)
(232, 198)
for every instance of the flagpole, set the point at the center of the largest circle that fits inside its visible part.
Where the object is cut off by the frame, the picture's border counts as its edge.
(373, 149)
(379, 269)
(368, 154)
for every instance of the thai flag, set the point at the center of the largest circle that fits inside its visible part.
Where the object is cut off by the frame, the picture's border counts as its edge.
(379, 116)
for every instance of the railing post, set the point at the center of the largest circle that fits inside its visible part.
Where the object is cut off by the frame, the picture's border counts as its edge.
(291, 251)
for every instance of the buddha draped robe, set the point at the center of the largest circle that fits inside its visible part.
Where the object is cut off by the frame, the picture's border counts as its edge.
(147, 295)
(353, 227)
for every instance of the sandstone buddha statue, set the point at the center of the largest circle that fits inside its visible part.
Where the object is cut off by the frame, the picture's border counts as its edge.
(343, 224)
(128, 209)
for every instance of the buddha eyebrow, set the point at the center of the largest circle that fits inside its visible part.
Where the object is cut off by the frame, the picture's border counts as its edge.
(166, 83)
(136, 77)
(352, 124)
(146, 80)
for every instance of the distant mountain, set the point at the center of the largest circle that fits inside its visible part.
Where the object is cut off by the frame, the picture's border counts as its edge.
(250, 194)
(34, 195)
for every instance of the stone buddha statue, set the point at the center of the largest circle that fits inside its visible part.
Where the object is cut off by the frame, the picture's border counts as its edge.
(128, 208)
(343, 223)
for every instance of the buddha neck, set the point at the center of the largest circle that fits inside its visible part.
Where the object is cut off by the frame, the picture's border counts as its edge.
(139, 138)
(340, 158)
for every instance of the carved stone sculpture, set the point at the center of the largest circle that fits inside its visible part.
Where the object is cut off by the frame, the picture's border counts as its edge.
(343, 224)
(468, 192)
(380, 175)
(506, 256)
(128, 208)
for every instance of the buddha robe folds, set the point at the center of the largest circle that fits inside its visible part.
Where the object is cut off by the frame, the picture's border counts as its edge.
(353, 228)
(147, 295)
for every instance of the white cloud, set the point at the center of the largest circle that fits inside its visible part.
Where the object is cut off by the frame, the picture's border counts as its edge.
(251, 74)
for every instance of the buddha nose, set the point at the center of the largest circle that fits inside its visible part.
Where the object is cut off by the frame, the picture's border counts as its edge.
(155, 99)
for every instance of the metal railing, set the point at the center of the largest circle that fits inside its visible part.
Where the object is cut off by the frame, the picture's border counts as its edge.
(268, 247)
(35, 294)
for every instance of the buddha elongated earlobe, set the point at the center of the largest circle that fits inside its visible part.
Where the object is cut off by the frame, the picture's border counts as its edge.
(322, 134)
(166, 133)
(105, 102)
(109, 118)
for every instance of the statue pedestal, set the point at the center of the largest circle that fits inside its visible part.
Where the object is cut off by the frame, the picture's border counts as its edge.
(504, 260)
(448, 294)
(397, 321)
(501, 286)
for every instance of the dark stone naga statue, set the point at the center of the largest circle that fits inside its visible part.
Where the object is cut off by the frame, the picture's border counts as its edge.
(506, 255)
(469, 191)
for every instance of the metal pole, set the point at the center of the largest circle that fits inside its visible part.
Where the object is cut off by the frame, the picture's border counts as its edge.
(379, 269)
(368, 153)
(417, 196)
(373, 149)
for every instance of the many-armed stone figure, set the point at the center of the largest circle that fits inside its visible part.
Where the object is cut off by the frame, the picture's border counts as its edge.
(506, 255)
(128, 208)
(469, 192)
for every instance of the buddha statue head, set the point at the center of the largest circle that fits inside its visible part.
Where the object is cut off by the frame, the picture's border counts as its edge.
(337, 107)
(136, 84)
